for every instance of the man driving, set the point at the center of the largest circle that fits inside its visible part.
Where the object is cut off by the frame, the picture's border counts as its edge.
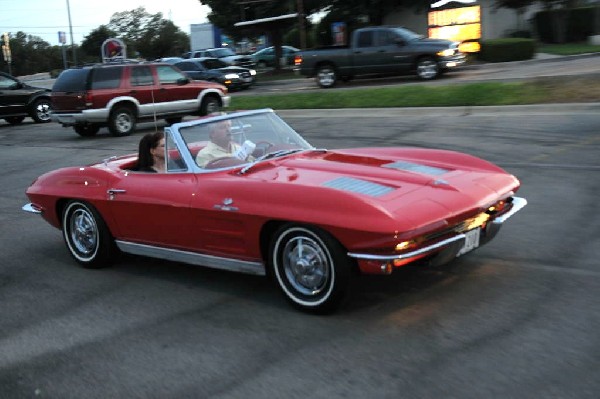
(220, 145)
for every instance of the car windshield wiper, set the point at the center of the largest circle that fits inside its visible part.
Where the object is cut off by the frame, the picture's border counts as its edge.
(270, 155)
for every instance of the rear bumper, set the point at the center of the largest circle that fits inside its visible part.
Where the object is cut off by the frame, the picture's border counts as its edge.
(445, 250)
(80, 118)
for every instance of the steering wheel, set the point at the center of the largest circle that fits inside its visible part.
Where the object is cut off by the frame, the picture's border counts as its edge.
(262, 147)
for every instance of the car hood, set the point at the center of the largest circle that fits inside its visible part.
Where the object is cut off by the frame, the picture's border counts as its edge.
(439, 43)
(436, 185)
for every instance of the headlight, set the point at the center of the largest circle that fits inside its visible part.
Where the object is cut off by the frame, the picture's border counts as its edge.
(232, 76)
(252, 72)
(446, 53)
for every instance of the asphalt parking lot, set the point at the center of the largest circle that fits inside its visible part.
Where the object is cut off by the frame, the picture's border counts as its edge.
(517, 318)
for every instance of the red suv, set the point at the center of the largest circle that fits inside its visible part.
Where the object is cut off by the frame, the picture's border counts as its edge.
(118, 96)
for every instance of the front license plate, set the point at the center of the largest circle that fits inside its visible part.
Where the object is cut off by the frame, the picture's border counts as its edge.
(471, 241)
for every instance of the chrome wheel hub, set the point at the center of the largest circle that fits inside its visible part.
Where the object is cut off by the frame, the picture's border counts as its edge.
(306, 265)
(84, 234)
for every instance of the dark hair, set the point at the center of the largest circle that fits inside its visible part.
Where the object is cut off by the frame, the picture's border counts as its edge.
(148, 142)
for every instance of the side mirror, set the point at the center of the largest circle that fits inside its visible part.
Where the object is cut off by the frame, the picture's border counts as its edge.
(183, 81)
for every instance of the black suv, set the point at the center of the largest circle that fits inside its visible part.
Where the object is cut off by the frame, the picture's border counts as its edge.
(118, 96)
(19, 100)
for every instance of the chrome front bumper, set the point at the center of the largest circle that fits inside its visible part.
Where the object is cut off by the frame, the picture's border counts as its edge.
(518, 204)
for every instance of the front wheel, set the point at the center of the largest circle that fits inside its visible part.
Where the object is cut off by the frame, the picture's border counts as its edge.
(122, 121)
(210, 104)
(40, 110)
(326, 76)
(310, 267)
(87, 237)
(427, 68)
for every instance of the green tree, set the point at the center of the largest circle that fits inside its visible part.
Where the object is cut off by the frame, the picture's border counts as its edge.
(31, 54)
(142, 32)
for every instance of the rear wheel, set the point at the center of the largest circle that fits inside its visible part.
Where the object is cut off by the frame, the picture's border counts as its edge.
(86, 130)
(122, 121)
(14, 120)
(209, 105)
(86, 235)
(310, 267)
(40, 110)
(326, 76)
(427, 68)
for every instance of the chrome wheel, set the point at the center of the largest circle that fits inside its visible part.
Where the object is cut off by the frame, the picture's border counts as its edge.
(87, 237)
(310, 268)
(210, 105)
(122, 121)
(427, 68)
(326, 76)
(41, 111)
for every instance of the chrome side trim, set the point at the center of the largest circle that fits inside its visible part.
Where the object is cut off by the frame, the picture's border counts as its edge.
(518, 204)
(193, 258)
(31, 208)
(411, 254)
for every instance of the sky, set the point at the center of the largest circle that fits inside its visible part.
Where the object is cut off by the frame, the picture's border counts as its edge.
(45, 18)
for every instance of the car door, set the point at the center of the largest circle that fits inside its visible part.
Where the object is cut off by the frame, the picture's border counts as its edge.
(365, 53)
(154, 208)
(396, 51)
(172, 86)
(143, 89)
(13, 96)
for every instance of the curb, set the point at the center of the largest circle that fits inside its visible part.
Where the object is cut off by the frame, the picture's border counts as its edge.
(494, 110)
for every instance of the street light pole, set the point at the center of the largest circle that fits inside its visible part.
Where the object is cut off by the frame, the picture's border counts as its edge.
(302, 29)
(71, 32)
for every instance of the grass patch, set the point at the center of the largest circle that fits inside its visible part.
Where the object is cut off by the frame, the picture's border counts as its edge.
(549, 90)
(568, 48)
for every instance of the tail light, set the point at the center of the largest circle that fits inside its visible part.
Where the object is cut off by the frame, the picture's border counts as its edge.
(88, 99)
(297, 60)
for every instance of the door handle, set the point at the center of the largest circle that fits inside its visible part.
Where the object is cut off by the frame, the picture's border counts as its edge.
(113, 191)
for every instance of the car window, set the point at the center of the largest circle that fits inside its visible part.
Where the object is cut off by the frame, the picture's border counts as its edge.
(167, 74)
(6, 82)
(72, 80)
(365, 39)
(175, 162)
(385, 38)
(186, 66)
(141, 76)
(106, 78)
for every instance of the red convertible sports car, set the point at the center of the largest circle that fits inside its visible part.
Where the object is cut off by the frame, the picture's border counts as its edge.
(310, 218)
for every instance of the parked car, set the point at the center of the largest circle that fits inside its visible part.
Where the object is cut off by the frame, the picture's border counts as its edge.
(266, 57)
(19, 100)
(380, 50)
(310, 218)
(225, 54)
(118, 96)
(170, 60)
(215, 70)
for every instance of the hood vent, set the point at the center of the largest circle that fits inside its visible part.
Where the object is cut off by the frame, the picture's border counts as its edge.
(358, 186)
(416, 168)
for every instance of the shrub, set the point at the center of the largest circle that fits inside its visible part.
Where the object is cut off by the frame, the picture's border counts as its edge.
(510, 49)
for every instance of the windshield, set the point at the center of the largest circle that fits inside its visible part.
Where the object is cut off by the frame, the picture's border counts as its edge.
(407, 34)
(236, 139)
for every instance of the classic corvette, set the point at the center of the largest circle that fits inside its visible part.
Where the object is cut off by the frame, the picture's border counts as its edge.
(310, 218)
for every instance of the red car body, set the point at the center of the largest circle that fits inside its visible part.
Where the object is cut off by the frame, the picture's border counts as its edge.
(310, 217)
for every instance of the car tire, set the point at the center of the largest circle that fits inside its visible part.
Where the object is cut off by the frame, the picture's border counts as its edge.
(14, 120)
(40, 110)
(171, 121)
(427, 68)
(326, 76)
(86, 235)
(310, 267)
(209, 105)
(122, 121)
(86, 130)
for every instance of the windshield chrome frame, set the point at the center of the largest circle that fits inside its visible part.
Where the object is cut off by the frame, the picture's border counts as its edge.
(174, 132)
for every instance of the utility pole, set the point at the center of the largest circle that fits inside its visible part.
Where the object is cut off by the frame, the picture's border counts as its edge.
(6, 51)
(301, 27)
(71, 32)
